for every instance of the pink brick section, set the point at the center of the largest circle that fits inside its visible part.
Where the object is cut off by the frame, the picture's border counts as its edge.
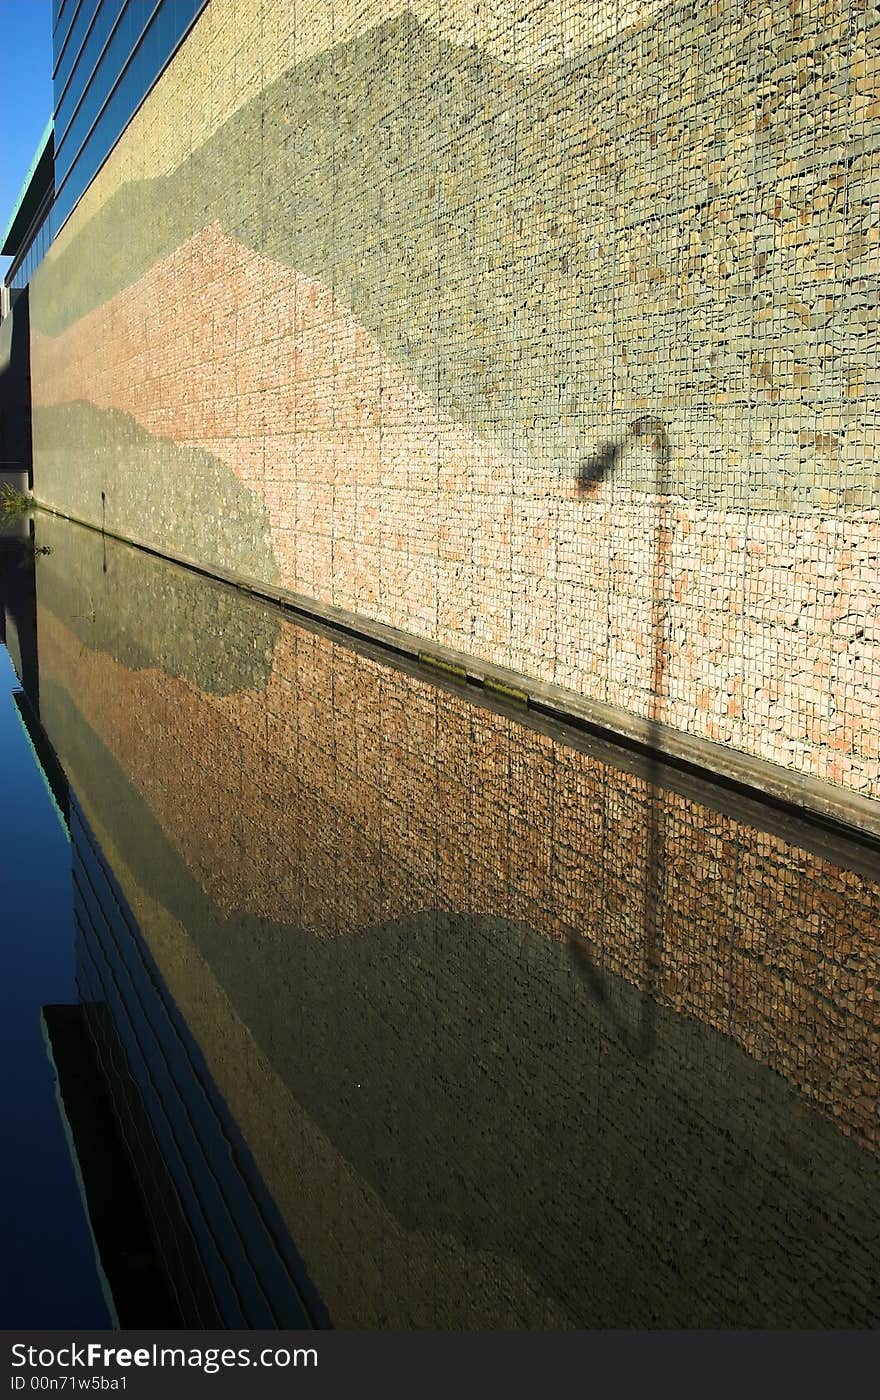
(761, 631)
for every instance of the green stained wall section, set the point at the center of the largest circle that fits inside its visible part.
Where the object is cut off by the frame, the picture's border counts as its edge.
(152, 489)
(144, 614)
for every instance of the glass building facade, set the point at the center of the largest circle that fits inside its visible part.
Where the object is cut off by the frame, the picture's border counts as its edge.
(29, 230)
(22, 271)
(107, 55)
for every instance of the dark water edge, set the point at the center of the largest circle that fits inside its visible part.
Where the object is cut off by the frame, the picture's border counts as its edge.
(50, 1276)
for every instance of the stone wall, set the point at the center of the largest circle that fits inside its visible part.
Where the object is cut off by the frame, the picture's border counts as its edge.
(541, 331)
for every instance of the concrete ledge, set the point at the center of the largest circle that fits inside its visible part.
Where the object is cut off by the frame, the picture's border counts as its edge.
(755, 779)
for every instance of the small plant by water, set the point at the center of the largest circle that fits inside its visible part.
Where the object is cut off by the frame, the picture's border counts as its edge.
(14, 504)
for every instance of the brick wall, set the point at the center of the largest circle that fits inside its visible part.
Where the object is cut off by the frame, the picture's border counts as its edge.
(542, 331)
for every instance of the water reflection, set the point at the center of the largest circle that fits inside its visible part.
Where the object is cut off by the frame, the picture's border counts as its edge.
(370, 991)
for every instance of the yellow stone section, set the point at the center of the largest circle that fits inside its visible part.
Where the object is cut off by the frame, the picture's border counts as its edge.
(252, 42)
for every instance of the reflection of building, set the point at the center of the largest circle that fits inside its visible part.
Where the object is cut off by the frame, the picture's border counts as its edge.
(185, 1230)
(228, 1258)
(18, 605)
(408, 937)
(135, 1286)
(350, 766)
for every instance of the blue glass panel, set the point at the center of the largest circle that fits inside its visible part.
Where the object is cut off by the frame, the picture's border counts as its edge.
(166, 28)
(67, 19)
(123, 103)
(66, 59)
(93, 130)
(70, 132)
(34, 256)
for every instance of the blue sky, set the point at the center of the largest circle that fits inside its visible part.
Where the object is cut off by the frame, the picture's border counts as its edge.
(25, 93)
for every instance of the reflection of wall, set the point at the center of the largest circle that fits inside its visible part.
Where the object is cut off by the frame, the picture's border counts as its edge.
(399, 270)
(225, 1260)
(360, 892)
(336, 794)
(146, 614)
(18, 604)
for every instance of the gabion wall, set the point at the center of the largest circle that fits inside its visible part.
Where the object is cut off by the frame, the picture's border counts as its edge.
(539, 330)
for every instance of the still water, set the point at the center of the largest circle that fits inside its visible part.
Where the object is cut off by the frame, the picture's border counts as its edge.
(363, 1002)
